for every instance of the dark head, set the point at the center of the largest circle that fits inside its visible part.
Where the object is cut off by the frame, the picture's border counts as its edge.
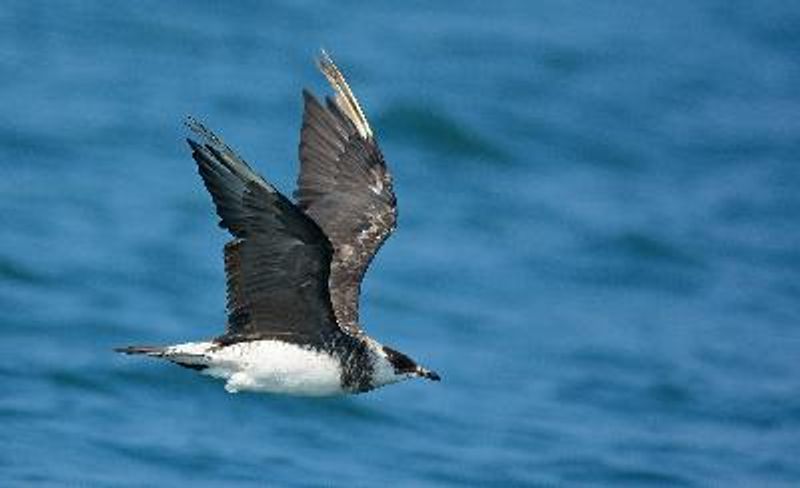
(405, 366)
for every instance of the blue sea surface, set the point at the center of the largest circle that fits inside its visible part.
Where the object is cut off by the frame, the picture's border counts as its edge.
(598, 246)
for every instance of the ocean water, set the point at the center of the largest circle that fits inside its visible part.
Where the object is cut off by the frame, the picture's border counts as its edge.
(598, 246)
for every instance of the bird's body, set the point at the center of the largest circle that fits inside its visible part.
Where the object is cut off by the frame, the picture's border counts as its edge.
(275, 366)
(294, 271)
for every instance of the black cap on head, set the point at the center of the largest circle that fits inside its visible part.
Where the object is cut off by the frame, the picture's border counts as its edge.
(405, 365)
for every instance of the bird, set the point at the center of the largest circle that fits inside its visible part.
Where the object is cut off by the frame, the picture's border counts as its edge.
(294, 268)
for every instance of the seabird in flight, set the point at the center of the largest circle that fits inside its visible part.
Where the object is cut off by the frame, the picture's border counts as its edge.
(294, 270)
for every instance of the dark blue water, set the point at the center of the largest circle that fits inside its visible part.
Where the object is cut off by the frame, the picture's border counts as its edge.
(599, 241)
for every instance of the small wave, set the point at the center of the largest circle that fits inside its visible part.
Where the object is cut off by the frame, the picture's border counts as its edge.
(438, 132)
(644, 245)
(17, 272)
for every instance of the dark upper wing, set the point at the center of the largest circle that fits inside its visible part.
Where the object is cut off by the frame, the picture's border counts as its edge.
(278, 263)
(345, 186)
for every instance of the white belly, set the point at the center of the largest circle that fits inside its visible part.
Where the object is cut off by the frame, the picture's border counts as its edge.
(275, 367)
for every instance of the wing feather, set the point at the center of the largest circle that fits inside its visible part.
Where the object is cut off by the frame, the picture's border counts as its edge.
(278, 263)
(346, 188)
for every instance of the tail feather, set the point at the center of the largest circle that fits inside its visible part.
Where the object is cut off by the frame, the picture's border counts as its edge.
(148, 350)
(189, 355)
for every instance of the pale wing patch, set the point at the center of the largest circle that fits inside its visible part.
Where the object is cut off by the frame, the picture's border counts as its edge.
(377, 187)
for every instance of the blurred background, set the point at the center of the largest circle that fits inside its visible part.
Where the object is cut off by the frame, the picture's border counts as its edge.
(598, 246)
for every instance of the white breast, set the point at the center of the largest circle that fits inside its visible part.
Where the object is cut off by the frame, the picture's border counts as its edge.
(276, 367)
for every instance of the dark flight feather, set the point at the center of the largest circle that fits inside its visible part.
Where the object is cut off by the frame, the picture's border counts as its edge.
(278, 263)
(345, 186)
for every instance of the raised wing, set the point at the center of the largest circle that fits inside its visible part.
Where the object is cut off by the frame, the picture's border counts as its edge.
(345, 186)
(278, 263)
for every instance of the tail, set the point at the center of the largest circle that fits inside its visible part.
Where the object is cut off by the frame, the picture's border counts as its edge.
(147, 350)
(189, 355)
